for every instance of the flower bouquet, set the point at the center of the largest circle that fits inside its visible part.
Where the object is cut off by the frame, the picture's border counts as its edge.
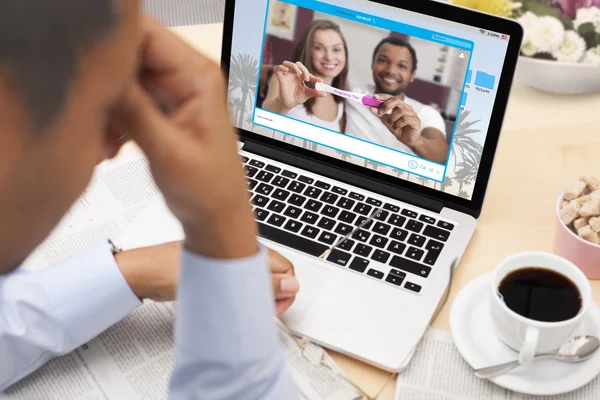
(561, 44)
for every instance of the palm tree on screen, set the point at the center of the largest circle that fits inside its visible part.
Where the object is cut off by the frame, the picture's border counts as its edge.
(243, 75)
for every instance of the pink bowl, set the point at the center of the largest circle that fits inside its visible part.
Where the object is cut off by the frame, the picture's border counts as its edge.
(583, 254)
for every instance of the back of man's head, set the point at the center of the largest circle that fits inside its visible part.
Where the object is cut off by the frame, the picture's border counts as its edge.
(41, 42)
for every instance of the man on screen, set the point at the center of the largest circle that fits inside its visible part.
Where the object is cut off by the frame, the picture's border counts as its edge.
(400, 123)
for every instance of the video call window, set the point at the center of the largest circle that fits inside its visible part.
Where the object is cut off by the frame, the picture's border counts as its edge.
(362, 84)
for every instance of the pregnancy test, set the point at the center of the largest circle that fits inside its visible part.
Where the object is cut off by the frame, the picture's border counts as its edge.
(368, 101)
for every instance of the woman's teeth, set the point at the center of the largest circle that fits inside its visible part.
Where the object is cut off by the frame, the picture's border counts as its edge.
(329, 66)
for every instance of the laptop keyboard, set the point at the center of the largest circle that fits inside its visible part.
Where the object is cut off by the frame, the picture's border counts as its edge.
(393, 244)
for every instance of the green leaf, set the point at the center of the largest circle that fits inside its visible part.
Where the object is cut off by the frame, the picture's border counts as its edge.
(541, 10)
(588, 33)
(568, 24)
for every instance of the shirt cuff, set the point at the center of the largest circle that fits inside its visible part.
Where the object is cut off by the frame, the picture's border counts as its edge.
(88, 293)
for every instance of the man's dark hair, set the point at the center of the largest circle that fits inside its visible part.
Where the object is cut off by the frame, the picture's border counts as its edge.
(398, 42)
(41, 44)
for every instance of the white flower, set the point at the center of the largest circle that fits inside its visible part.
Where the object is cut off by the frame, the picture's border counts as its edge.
(527, 20)
(571, 49)
(586, 15)
(547, 34)
(528, 49)
(592, 56)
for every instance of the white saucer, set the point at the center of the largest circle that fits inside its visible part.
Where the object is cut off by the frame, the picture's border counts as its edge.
(472, 332)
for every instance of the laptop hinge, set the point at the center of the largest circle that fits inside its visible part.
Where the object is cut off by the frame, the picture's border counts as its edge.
(344, 176)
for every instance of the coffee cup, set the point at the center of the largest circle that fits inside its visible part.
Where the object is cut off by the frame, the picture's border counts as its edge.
(529, 314)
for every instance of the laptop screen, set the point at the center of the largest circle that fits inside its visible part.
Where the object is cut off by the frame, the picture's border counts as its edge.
(403, 93)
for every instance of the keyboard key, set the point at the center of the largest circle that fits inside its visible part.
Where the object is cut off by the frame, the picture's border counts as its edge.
(381, 215)
(293, 212)
(326, 223)
(396, 247)
(410, 266)
(414, 253)
(436, 233)
(427, 218)
(346, 244)
(296, 186)
(276, 206)
(306, 179)
(281, 194)
(374, 273)
(310, 231)
(399, 234)
(343, 229)
(291, 240)
(416, 240)
(251, 183)
(363, 220)
(412, 286)
(256, 163)
(251, 171)
(327, 237)
(322, 185)
(381, 228)
(431, 257)
(359, 264)
(347, 216)
(313, 192)
(293, 226)
(414, 226)
(339, 190)
(276, 220)
(289, 174)
(244, 159)
(297, 200)
(313, 205)
(378, 241)
(391, 207)
(265, 189)
(374, 202)
(356, 196)
(261, 214)
(273, 168)
(346, 203)
(380, 256)
(394, 280)
(445, 225)
(280, 181)
(309, 217)
(260, 201)
(362, 250)
(409, 213)
(361, 235)
(397, 220)
(435, 246)
(363, 209)
(329, 197)
(397, 273)
(339, 257)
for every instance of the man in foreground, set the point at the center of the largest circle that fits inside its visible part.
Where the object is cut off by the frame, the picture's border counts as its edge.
(64, 79)
(410, 127)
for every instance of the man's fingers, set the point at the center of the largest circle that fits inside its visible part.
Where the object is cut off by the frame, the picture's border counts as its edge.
(281, 306)
(394, 116)
(284, 286)
(388, 105)
(279, 264)
(144, 122)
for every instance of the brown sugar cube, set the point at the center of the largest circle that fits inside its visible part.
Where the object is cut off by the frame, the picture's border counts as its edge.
(591, 208)
(574, 190)
(569, 213)
(592, 182)
(564, 204)
(580, 223)
(595, 224)
(595, 194)
(588, 234)
(582, 200)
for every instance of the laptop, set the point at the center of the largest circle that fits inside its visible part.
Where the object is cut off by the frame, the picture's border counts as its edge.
(368, 131)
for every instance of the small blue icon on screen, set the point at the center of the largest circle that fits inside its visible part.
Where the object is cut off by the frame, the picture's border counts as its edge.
(463, 99)
(485, 80)
(413, 164)
(469, 75)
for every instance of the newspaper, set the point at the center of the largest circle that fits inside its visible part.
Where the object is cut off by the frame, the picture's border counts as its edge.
(134, 358)
(438, 372)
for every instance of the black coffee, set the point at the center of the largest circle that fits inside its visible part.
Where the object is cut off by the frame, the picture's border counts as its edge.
(540, 294)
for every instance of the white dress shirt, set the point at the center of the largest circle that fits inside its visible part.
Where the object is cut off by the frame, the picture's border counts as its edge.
(363, 124)
(226, 341)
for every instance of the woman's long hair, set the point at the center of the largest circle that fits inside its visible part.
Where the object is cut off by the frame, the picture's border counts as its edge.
(302, 53)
